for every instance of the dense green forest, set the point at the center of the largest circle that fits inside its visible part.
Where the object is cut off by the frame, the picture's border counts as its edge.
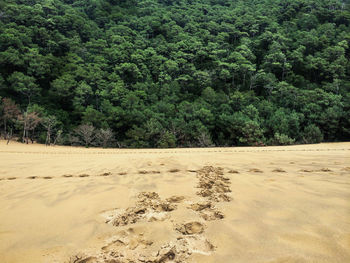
(175, 73)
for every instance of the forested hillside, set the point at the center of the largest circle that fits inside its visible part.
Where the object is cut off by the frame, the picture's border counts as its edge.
(172, 73)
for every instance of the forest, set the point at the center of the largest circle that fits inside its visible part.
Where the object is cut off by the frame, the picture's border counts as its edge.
(174, 73)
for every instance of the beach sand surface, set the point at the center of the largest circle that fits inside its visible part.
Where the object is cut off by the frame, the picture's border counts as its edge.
(287, 204)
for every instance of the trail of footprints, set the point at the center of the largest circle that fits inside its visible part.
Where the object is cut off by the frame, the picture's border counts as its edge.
(251, 170)
(130, 246)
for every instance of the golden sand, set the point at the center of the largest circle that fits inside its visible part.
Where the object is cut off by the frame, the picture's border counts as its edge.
(263, 205)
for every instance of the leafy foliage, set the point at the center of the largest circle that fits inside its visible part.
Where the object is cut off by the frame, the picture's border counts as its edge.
(155, 73)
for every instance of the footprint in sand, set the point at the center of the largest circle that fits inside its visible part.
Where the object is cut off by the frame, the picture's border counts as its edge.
(190, 228)
(175, 199)
(255, 170)
(207, 211)
(149, 207)
(213, 184)
(47, 177)
(233, 172)
(214, 187)
(127, 240)
(174, 170)
(132, 246)
(106, 174)
(31, 177)
(181, 249)
(11, 178)
(82, 259)
(306, 171)
(123, 173)
(325, 170)
(278, 170)
(67, 175)
(347, 169)
(115, 245)
(84, 175)
(128, 246)
(149, 172)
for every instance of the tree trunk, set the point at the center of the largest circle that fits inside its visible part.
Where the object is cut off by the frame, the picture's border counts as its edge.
(233, 81)
(9, 136)
(5, 129)
(32, 136)
(48, 137)
(57, 137)
(244, 79)
(24, 133)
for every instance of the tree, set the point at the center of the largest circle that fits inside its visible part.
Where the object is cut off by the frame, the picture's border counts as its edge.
(10, 112)
(166, 73)
(104, 137)
(204, 138)
(30, 121)
(282, 139)
(86, 134)
(312, 134)
(49, 123)
(58, 137)
(26, 85)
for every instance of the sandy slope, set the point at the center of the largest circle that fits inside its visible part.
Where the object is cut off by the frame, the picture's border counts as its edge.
(270, 204)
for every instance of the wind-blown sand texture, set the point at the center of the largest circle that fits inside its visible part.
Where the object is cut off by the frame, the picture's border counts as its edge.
(260, 205)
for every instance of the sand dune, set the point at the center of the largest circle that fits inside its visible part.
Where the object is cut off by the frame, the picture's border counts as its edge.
(261, 205)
